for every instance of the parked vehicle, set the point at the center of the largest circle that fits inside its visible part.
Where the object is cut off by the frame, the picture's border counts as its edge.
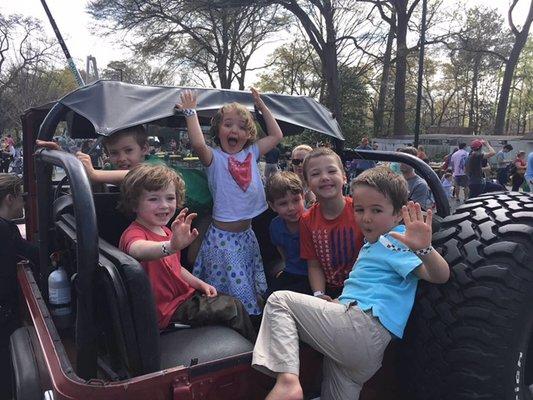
(467, 339)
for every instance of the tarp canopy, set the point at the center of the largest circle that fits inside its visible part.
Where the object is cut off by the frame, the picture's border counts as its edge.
(110, 106)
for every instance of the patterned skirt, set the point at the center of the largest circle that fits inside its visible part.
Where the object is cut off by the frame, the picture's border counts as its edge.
(231, 262)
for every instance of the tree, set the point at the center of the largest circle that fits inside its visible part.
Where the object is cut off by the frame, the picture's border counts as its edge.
(218, 42)
(510, 64)
(294, 69)
(24, 54)
(139, 71)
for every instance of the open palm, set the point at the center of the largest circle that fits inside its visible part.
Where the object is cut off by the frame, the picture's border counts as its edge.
(182, 235)
(417, 230)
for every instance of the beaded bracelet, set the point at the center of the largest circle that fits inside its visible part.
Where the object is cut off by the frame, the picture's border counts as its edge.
(391, 246)
(188, 112)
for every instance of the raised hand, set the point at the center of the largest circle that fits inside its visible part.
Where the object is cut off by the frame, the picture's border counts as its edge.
(257, 99)
(188, 100)
(182, 235)
(87, 163)
(417, 230)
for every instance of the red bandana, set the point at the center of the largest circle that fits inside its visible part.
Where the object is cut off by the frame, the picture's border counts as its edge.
(241, 171)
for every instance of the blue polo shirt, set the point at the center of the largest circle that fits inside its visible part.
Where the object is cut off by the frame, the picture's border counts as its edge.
(290, 243)
(382, 280)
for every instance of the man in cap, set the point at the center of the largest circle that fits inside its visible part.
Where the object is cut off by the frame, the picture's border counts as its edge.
(474, 168)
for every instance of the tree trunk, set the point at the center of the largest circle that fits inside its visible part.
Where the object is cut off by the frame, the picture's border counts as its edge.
(401, 71)
(384, 85)
(471, 111)
(508, 114)
(521, 38)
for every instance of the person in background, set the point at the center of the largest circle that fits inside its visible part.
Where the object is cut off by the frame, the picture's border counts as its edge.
(529, 171)
(503, 164)
(477, 184)
(520, 166)
(13, 248)
(362, 164)
(419, 191)
(297, 163)
(458, 165)
(422, 154)
(447, 184)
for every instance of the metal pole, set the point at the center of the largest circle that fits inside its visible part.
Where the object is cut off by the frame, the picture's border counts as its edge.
(420, 72)
(70, 61)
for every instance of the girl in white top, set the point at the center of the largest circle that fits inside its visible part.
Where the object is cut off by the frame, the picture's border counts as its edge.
(229, 257)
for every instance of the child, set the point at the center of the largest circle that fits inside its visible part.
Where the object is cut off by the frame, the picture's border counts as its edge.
(284, 192)
(229, 256)
(152, 193)
(447, 184)
(353, 331)
(419, 191)
(13, 247)
(330, 239)
(126, 149)
(297, 160)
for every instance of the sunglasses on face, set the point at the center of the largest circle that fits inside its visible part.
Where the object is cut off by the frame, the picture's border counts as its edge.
(297, 161)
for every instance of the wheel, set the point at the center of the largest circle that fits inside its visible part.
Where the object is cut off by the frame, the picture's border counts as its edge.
(471, 338)
(30, 379)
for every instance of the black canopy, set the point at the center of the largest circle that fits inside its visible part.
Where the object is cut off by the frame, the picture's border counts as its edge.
(110, 106)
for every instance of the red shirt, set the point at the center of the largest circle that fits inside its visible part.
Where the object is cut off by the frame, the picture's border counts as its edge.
(168, 286)
(334, 243)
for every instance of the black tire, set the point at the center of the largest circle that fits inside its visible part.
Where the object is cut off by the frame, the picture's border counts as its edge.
(471, 338)
(30, 380)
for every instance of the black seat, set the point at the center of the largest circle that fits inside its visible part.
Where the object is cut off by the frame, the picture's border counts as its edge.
(126, 310)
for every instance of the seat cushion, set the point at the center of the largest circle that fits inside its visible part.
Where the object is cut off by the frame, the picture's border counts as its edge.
(207, 343)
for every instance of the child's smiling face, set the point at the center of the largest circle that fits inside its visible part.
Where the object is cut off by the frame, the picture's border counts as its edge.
(374, 213)
(232, 132)
(155, 208)
(325, 177)
(126, 153)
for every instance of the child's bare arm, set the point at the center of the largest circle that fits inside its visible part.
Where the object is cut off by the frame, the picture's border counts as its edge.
(100, 176)
(198, 284)
(417, 236)
(196, 137)
(317, 279)
(182, 236)
(274, 134)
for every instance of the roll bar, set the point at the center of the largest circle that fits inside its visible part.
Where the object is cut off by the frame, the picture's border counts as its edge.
(424, 170)
(86, 238)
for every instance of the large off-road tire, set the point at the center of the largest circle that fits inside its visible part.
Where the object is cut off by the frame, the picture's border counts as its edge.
(472, 338)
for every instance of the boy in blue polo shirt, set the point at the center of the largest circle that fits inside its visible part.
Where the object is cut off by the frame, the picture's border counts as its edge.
(353, 331)
(285, 195)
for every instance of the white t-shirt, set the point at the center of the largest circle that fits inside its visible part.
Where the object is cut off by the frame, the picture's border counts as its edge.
(230, 201)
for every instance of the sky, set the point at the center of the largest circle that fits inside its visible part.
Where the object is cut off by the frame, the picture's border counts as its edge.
(74, 24)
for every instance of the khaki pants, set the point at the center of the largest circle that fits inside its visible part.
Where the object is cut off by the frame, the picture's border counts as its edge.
(352, 341)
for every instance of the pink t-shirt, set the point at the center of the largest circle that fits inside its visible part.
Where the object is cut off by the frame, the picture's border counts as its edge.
(168, 286)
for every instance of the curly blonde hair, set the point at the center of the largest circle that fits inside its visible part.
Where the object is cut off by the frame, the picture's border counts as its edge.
(151, 178)
(249, 122)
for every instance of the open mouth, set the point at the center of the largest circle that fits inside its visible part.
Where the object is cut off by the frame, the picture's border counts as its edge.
(232, 141)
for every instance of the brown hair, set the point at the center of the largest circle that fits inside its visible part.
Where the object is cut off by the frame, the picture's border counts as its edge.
(249, 122)
(137, 132)
(322, 152)
(151, 178)
(9, 184)
(388, 183)
(409, 150)
(281, 183)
